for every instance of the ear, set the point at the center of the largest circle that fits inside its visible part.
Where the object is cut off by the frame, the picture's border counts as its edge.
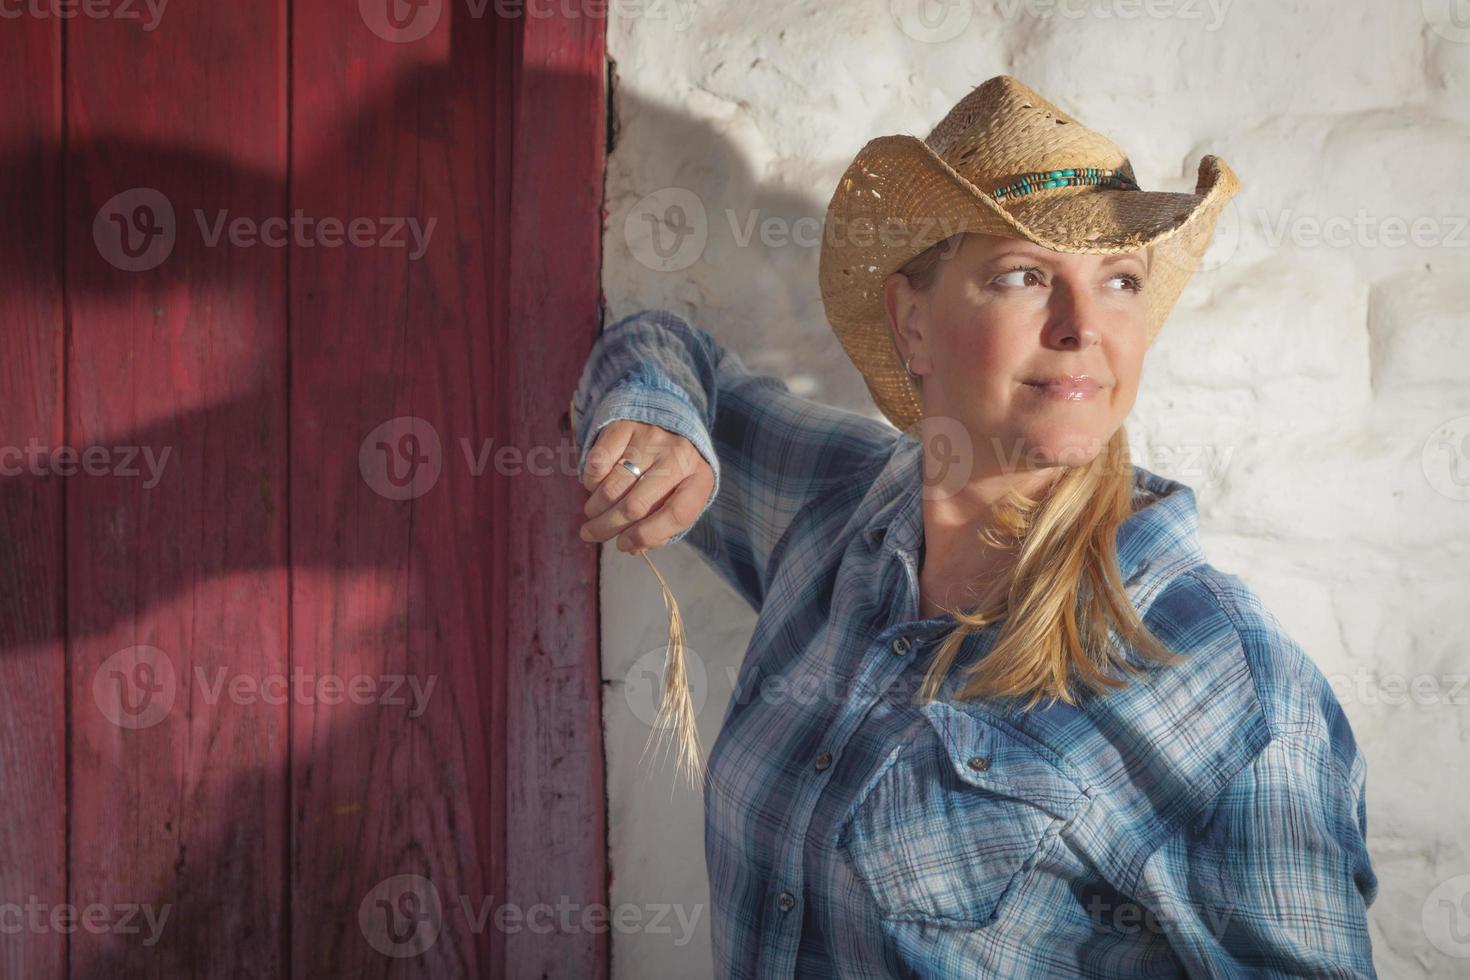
(905, 315)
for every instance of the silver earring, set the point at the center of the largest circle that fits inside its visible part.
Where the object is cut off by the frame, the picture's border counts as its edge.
(906, 366)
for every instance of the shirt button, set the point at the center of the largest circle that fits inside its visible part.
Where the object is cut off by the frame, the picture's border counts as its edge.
(824, 760)
(787, 901)
(979, 763)
(900, 645)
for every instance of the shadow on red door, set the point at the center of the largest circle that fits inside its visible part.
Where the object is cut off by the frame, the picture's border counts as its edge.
(298, 663)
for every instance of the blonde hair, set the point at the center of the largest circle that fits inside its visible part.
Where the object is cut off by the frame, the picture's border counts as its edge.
(1065, 617)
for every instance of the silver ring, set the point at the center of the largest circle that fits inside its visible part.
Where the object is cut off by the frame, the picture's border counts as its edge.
(632, 467)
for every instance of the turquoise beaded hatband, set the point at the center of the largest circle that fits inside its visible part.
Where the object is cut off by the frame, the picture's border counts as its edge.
(1070, 177)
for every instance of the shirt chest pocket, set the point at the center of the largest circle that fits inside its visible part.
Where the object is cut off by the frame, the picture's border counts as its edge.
(950, 827)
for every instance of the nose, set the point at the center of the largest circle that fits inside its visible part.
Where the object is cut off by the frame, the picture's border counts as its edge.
(1073, 315)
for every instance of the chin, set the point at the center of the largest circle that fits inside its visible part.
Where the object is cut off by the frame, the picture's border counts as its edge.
(1046, 450)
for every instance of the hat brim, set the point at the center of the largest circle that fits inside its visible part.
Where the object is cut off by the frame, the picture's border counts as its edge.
(898, 197)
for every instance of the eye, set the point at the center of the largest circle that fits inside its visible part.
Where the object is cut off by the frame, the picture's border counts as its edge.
(1032, 275)
(1131, 281)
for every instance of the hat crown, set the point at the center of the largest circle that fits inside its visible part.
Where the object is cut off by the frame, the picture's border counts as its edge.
(1003, 129)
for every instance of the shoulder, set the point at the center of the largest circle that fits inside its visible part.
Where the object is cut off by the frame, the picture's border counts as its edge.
(1245, 697)
(1296, 778)
(1205, 610)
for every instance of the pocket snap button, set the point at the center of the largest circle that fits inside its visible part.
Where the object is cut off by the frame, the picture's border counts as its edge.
(979, 763)
(824, 760)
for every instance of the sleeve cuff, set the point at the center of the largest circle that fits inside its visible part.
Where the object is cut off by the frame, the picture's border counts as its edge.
(656, 405)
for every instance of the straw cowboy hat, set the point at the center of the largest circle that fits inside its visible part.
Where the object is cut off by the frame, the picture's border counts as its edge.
(1003, 161)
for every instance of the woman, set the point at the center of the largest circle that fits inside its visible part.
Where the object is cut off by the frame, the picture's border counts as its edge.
(1021, 727)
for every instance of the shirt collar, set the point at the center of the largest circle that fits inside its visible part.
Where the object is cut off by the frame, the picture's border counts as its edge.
(895, 503)
(1158, 538)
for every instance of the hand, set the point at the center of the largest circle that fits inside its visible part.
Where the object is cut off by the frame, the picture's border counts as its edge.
(643, 512)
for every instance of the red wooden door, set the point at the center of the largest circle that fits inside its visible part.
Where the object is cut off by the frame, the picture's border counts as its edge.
(298, 665)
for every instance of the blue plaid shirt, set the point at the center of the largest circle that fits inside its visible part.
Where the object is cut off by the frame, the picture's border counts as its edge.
(1207, 821)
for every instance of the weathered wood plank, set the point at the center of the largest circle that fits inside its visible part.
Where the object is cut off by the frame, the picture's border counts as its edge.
(398, 804)
(178, 784)
(32, 641)
(557, 814)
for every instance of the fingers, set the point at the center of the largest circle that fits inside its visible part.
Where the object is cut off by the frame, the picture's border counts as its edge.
(641, 498)
(606, 450)
(619, 479)
(676, 512)
(644, 511)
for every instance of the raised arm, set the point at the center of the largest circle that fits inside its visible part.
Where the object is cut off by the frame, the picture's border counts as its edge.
(770, 451)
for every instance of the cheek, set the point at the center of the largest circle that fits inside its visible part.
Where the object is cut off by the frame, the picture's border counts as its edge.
(1127, 364)
(977, 359)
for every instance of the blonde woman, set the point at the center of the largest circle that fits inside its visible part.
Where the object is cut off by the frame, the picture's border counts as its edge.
(999, 715)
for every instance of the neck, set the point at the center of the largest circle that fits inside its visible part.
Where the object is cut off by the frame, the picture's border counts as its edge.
(957, 567)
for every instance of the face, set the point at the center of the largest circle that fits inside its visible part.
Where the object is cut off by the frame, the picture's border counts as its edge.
(1037, 353)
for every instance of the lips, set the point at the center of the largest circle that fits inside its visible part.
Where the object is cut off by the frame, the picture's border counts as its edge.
(1071, 387)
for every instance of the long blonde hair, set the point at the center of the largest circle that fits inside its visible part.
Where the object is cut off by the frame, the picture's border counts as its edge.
(1066, 621)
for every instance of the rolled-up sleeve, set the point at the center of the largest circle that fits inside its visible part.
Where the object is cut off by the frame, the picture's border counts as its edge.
(1273, 878)
(771, 451)
(640, 397)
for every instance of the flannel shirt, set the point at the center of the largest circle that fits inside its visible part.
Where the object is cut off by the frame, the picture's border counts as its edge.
(1208, 820)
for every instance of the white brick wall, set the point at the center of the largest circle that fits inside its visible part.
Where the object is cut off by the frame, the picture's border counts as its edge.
(1311, 384)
